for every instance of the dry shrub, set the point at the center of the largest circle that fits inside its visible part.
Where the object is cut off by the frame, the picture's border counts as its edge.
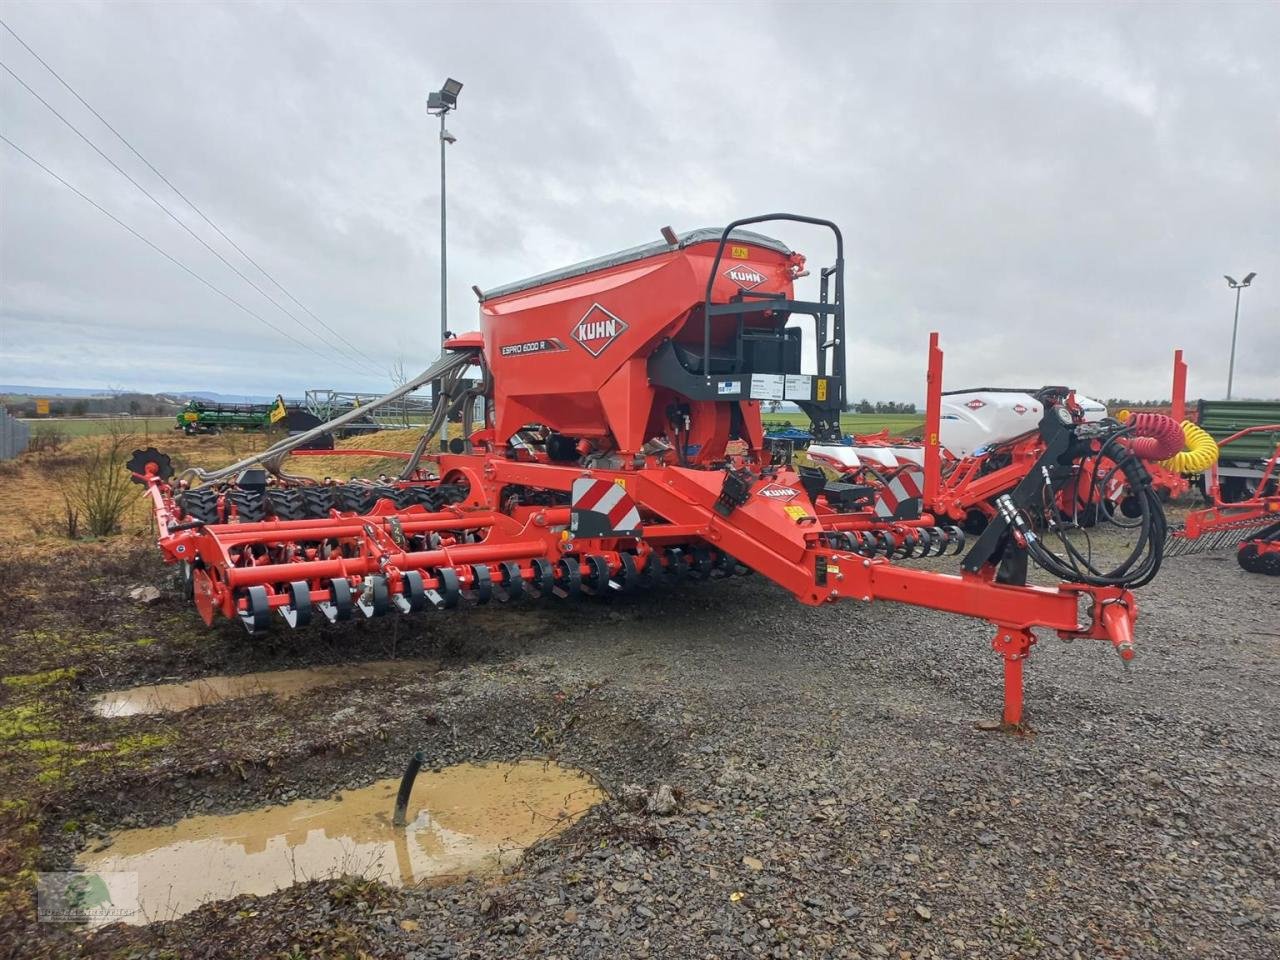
(47, 439)
(97, 492)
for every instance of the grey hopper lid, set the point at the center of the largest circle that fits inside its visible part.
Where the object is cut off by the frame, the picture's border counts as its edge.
(631, 254)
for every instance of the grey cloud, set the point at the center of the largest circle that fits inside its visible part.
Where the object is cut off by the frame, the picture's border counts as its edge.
(1058, 189)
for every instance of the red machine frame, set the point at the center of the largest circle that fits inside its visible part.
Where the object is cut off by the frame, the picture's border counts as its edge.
(521, 523)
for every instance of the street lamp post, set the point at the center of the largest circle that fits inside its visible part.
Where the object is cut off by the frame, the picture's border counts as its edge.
(1237, 286)
(440, 103)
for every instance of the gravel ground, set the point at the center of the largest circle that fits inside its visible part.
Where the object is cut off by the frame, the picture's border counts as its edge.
(836, 796)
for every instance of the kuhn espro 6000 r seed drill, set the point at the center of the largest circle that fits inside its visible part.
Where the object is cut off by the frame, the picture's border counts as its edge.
(612, 441)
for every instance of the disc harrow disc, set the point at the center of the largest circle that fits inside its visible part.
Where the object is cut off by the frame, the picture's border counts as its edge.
(141, 459)
(256, 611)
(543, 583)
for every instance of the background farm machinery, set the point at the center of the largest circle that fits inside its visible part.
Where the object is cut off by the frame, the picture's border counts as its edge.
(986, 442)
(1227, 449)
(611, 441)
(203, 416)
(1247, 517)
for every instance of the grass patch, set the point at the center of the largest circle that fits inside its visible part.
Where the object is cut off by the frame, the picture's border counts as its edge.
(898, 424)
(101, 426)
(46, 679)
(17, 723)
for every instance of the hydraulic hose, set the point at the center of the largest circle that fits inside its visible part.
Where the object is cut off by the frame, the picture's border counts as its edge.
(1155, 436)
(1199, 454)
(1143, 562)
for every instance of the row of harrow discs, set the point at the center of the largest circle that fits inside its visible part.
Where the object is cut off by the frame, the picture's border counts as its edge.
(446, 588)
(906, 544)
(253, 502)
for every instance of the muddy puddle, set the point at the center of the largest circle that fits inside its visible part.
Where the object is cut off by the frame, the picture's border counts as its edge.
(470, 818)
(175, 697)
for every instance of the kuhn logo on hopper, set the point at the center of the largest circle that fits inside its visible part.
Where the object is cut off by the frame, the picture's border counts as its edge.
(597, 329)
(976, 404)
(745, 277)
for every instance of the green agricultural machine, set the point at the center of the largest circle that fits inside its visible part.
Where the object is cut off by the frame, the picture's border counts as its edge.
(200, 416)
(1242, 461)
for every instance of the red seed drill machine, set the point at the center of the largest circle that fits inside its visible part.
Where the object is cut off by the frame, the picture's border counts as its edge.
(612, 441)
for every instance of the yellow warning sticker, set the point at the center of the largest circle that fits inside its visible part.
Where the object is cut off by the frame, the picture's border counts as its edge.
(739, 253)
(822, 389)
(621, 481)
(796, 512)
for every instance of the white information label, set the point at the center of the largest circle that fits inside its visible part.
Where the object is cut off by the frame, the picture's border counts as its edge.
(729, 386)
(799, 387)
(767, 386)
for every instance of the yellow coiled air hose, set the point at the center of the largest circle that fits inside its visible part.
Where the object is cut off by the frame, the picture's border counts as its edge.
(1200, 454)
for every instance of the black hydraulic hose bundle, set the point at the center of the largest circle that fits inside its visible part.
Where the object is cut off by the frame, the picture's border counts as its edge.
(1143, 562)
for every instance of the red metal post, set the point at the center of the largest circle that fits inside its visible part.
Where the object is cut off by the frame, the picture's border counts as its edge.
(1012, 691)
(347, 452)
(932, 422)
(1179, 411)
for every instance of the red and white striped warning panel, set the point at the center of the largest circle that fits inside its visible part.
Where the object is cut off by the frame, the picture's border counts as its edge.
(602, 508)
(895, 498)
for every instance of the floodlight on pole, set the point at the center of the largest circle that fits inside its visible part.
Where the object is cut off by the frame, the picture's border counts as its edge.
(1237, 286)
(439, 103)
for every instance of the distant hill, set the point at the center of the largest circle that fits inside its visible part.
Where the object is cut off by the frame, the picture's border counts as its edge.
(87, 403)
(177, 397)
(213, 397)
(26, 390)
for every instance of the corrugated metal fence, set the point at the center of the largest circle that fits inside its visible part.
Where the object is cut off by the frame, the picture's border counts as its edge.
(14, 436)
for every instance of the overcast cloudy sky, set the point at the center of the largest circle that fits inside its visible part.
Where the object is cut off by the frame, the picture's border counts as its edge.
(1057, 189)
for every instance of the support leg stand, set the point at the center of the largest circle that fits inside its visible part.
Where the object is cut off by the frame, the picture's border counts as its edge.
(1013, 644)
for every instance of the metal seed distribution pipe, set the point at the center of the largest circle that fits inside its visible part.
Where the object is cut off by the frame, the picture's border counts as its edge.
(271, 530)
(237, 534)
(452, 363)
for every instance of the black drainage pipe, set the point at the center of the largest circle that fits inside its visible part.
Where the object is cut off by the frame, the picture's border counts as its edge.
(406, 788)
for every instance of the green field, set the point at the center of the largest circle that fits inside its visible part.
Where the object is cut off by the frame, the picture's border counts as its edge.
(96, 426)
(899, 424)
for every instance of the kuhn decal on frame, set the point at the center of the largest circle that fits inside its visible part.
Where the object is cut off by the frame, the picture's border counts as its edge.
(776, 491)
(597, 329)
